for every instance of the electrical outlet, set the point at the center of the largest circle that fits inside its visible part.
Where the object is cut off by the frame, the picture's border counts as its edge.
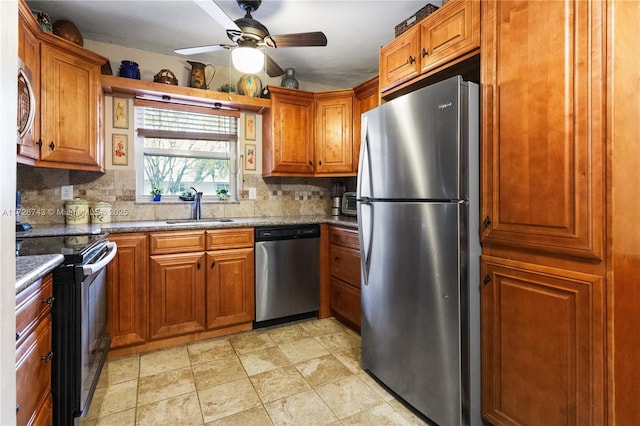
(66, 192)
(252, 193)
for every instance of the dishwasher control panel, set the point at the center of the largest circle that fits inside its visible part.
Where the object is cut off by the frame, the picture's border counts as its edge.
(287, 232)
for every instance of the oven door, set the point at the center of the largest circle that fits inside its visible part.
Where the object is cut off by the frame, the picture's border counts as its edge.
(95, 339)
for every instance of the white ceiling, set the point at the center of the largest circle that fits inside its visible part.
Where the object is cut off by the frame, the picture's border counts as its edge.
(355, 30)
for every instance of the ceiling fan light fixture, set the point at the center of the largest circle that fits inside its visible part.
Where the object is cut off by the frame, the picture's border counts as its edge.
(247, 60)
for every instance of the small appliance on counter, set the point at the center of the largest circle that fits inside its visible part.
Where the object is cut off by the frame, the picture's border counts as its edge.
(349, 204)
(19, 225)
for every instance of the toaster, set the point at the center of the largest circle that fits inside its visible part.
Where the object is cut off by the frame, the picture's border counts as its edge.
(349, 204)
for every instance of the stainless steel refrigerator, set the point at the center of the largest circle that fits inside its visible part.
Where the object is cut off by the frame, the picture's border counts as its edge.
(417, 201)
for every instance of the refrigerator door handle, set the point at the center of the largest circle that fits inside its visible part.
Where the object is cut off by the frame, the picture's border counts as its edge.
(366, 228)
(364, 169)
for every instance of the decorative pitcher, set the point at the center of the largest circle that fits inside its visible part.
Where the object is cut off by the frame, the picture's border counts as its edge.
(198, 76)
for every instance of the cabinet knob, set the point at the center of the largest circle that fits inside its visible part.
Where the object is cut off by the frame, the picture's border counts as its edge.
(39, 143)
(424, 52)
(49, 300)
(17, 408)
(310, 163)
(17, 336)
(486, 279)
(486, 222)
(213, 263)
(48, 357)
(52, 145)
(198, 266)
(411, 59)
(320, 162)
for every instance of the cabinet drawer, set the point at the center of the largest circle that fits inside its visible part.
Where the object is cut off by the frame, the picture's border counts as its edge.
(176, 242)
(33, 374)
(32, 305)
(345, 301)
(345, 237)
(345, 264)
(220, 239)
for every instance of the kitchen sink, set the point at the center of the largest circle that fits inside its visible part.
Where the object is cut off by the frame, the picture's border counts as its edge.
(177, 221)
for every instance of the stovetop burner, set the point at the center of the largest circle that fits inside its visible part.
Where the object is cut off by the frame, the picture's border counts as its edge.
(72, 247)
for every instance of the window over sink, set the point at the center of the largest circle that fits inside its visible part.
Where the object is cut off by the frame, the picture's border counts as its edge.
(180, 146)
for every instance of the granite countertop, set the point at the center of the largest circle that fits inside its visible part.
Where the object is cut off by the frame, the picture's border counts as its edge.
(205, 223)
(30, 269)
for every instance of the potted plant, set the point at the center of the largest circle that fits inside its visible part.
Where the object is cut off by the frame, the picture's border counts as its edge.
(157, 193)
(223, 194)
(187, 195)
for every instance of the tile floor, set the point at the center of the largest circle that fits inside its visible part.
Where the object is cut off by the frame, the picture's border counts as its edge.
(303, 373)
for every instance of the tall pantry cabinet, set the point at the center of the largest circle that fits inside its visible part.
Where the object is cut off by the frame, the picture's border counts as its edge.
(558, 243)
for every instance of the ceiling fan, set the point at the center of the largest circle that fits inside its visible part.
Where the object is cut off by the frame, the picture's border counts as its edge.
(248, 35)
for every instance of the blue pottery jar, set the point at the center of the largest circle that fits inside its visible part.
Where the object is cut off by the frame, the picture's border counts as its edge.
(129, 69)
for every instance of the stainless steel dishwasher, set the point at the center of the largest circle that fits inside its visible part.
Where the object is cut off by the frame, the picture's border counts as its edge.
(287, 260)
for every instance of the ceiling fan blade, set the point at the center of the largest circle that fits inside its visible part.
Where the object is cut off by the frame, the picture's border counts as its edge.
(218, 14)
(202, 49)
(316, 38)
(273, 69)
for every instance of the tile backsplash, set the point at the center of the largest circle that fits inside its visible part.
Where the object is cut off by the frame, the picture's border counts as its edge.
(42, 204)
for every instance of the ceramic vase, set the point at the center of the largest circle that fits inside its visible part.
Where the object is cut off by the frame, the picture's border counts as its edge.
(249, 85)
(289, 79)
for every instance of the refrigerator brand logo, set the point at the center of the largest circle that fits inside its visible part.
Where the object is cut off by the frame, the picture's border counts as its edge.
(443, 106)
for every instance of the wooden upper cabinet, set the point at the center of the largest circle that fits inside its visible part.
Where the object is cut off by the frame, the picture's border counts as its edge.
(70, 106)
(29, 53)
(366, 97)
(447, 36)
(399, 60)
(454, 31)
(287, 133)
(543, 122)
(333, 132)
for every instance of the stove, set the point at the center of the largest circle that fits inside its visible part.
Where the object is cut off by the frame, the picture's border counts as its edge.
(74, 248)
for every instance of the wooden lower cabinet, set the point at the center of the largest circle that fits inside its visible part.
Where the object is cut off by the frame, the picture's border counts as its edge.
(127, 290)
(230, 287)
(33, 354)
(176, 294)
(344, 260)
(169, 288)
(542, 344)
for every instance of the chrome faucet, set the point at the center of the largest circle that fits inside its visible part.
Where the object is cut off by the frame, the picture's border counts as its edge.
(196, 208)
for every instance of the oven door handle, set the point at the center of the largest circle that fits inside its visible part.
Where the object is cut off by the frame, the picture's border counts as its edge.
(96, 267)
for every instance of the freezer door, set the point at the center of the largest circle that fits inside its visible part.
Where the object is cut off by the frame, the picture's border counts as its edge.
(410, 146)
(411, 299)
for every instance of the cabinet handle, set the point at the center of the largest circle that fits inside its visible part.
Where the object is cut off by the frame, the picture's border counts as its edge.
(411, 59)
(310, 163)
(49, 300)
(213, 263)
(17, 408)
(52, 145)
(39, 143)
(486, 279)
(486, 222)
(424, 52)
(48, 357)
(320, 162)
(198, 266)
(17, 336)
(336, 258)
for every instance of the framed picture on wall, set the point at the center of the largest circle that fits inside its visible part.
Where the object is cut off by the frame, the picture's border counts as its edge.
(250, 127)
(120, 113)
(249, 156)
(120, 150)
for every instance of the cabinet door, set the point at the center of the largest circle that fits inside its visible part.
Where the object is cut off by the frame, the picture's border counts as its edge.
(70, 107)
(542, 345)
(33, 372)
(366, 98)
(334, 139)
(29, 52)
(128, 319)
(176, 294)
(543, 123)
(288, 133)
(399, 60)
(451, 32)
(230, 287)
